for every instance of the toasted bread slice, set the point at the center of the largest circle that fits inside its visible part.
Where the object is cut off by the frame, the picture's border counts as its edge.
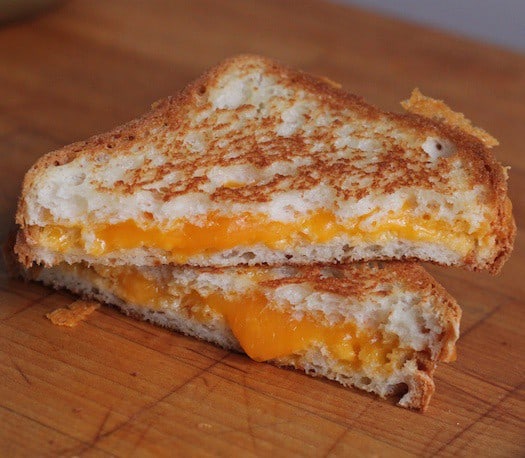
(256, 163)
(381, 328)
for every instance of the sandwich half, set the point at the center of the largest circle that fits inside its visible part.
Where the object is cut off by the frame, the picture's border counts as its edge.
(257, 163)
(378, 327)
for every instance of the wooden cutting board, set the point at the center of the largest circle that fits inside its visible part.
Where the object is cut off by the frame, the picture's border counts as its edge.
(117, 387)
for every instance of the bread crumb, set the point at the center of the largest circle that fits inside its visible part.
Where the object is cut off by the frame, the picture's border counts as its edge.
(73, 314)
(438, 110)
(204, 426)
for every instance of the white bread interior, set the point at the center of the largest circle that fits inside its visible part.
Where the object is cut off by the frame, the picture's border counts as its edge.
(339, 250)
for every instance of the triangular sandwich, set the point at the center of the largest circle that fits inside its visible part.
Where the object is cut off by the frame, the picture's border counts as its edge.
(378, 327)
(257, 163)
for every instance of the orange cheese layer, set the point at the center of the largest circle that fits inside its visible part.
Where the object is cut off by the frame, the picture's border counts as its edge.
(216, 233)
(266, 333)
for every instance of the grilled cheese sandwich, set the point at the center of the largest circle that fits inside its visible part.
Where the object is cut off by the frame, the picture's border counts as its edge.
(213, 214)
(381, 328)
(256, 163)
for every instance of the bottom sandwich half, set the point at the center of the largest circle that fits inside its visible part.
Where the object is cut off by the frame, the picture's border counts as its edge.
(378, 327)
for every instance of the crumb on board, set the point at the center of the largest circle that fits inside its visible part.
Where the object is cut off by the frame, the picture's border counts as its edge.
(437, 109)
(204, 426)
(73, 314)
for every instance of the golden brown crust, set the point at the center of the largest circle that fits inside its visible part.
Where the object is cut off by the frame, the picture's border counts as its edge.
(437, 109)
(169, 114)
(505, 229)
(23, 249)
(358, 279)
(421, 392)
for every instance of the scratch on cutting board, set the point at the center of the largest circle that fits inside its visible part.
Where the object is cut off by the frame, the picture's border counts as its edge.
(468, 393)
(79, 450)
(482, 320)
(471, 373)
(481, 417)
(350, 426)
(28, 305)
(98, 435)
(432, 440)
(143, 433)
(338, 439)
(149, 407)
(248, 413)
(20, 371)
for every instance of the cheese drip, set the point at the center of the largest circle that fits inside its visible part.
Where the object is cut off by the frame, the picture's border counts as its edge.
(264, 330)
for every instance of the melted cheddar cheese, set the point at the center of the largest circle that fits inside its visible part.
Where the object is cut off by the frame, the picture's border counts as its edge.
(215, 233)
(263, 331)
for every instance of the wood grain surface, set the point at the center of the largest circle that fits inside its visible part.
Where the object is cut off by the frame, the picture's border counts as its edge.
(113, 386)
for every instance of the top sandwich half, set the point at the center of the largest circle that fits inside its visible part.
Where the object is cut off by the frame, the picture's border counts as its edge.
(257, 163)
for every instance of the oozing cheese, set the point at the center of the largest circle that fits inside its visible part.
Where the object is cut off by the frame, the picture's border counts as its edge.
(215, 233)
(265, 332)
